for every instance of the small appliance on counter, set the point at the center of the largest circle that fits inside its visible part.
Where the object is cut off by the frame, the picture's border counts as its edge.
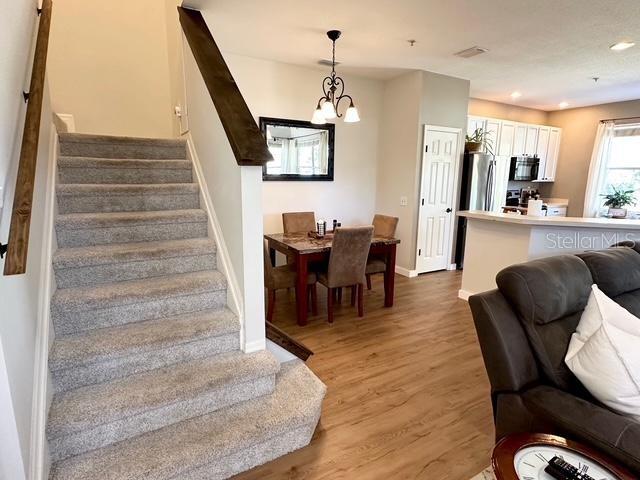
(524, 169)
(526, 194)
(535, 207)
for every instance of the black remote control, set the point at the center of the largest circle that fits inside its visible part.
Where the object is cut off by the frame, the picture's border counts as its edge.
(563, 470)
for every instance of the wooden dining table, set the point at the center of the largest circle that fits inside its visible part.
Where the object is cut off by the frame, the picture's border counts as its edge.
(306, 249)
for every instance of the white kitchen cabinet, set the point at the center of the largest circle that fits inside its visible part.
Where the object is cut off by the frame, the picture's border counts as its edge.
(492, 128)
(532, 140)
(553, 151)
(516, 139)
(504, 146)
(519, 140)
(542, 147)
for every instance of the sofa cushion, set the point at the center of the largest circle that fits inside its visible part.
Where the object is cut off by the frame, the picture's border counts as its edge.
(616, 270)
(546, 289)
(584, 420)
(549, 295)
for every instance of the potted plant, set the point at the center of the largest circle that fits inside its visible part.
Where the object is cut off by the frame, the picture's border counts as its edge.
(617, 200)
(477, 140)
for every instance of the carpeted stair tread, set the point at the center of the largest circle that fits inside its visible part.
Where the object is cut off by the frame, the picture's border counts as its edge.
(71, 221)
(124, 147)
(205, 445)
(92, 170)
(119, 262)
(119, 140)
(125, 189)
(101, 355)
(124, 163)
(79, 257)
(93, 405)
(107, 343)
(86, 229)
(135, 291)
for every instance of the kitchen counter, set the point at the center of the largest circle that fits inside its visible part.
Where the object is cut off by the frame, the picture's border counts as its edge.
(497, 240)
(606, 223)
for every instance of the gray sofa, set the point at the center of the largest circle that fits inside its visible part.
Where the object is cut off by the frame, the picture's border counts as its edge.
(524, 328)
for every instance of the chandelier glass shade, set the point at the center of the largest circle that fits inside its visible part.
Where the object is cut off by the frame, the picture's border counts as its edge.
(333, 94)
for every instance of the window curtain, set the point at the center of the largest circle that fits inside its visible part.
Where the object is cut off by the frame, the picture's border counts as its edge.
(597, 169)
(323, 163)
(289, 157)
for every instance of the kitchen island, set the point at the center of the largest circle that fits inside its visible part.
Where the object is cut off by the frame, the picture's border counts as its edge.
(497, 240)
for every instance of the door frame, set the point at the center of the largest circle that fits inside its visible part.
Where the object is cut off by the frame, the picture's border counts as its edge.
(454, 193)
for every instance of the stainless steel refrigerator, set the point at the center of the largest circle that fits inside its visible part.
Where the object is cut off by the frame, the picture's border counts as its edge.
(483, 187)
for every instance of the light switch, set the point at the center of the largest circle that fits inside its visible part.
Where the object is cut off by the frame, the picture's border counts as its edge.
(403, 201)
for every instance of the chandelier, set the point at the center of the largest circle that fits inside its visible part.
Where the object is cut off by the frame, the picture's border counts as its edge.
(327, 108)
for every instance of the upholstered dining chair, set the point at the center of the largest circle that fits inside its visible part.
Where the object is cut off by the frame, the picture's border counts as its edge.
(276, 278)
(294, 222)
(298, 222)
(347, 263)
(383, 226)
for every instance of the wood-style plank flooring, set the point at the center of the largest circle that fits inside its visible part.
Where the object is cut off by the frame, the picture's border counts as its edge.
(408, 396)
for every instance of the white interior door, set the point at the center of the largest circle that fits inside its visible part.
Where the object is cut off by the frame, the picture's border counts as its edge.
(440, 160)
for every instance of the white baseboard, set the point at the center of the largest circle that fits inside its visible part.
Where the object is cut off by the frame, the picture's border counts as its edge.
(256, 346)
(452, 266)
(406, 272)
(39, 459)
(66, 124)
(464, 295)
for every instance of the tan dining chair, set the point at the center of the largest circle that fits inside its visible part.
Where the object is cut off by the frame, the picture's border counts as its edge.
(298, 222)
(295, 222)
(347, 263)
(277, 278)
(383, 226)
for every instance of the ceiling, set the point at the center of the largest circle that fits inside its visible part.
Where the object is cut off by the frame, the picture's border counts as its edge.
(547, 49)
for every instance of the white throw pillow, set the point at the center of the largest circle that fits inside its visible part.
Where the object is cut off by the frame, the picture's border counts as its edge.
(604, 354)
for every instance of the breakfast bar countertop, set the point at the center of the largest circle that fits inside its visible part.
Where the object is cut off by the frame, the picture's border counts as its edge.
(584, 222)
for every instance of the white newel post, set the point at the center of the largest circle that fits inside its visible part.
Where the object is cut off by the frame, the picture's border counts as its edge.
(253, 268)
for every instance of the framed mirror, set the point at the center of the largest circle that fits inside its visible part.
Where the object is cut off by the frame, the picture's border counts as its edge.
(301, 150)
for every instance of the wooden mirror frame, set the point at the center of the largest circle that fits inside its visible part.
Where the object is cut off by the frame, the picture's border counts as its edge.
(283, 122)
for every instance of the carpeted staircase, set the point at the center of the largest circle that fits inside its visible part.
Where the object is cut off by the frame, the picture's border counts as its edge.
(146, 364)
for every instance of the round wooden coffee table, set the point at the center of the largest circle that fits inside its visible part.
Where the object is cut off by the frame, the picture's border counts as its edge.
(525, 456)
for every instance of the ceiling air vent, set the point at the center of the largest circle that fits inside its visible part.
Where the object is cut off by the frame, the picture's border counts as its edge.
(471, 52)
(326, 63)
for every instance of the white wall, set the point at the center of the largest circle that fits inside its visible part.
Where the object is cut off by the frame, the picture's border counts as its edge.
(273, 89)
(109, 66)
(18, 294)
(17, 26)
(235, 196)
(398, 170)
(19, 297)
(411, 101)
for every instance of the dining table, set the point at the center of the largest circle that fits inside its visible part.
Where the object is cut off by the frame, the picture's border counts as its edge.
(306, 249)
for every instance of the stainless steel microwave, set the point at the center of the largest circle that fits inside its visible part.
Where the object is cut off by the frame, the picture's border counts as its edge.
(524, 169)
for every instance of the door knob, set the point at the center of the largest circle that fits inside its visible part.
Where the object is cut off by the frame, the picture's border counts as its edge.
(448, 210)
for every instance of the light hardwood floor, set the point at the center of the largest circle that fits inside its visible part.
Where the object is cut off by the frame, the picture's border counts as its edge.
(408, 396)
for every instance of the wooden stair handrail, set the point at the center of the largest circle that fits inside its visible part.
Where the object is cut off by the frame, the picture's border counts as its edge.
(18, 244)
(247, 142)
(281, 338)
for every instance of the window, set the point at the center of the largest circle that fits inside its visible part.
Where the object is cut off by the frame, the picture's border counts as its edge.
(274, 167)
(623, 163)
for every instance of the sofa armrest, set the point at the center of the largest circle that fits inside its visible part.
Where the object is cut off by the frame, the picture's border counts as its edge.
(507, 355)
(579, 419)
